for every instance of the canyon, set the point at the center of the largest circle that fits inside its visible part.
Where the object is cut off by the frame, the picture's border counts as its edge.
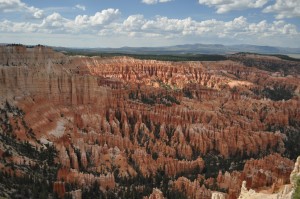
(121, 127)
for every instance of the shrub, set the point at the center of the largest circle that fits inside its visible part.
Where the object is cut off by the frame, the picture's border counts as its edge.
(278, 93)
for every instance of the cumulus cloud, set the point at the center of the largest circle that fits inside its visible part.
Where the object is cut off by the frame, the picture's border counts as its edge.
(100, 18)
(224, 6)
(18, 6)
(56, 23)
(14, 27)
(105, 16)
(284, 9)
(236, 28)
(80, 7)
(108, 23)
(149, 2)
(134, 22)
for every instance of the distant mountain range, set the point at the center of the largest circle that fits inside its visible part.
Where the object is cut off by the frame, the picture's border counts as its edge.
(191, 49)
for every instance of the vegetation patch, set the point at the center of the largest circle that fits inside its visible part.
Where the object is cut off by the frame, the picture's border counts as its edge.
(278, 93)
(37, 176)
(152, 99)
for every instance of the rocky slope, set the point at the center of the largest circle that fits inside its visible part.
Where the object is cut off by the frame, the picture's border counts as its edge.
(287, 191)
(127, 128)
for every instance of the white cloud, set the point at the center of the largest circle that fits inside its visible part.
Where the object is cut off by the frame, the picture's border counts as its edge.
(284, 9)
(105, 16)
(54, 20)
(38, 14)
(173, 26)
(18, 6)
(107, 23)
(224, 6)
(134, 22)
(149, 2)
(21, 27)
(82, 20)
(56, 23)
(100, 18)
(238, 30)
(80, 7)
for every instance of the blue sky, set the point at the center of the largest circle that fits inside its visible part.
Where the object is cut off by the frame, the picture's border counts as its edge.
(117, 23)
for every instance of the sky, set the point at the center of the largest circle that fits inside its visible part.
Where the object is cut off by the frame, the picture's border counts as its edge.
(137, 23)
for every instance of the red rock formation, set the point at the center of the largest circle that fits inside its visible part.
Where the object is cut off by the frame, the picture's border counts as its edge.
(38, 56)
(273, 170)
(84, 179)
(192, 189)
(269, 170)
(114, 117)
(59, 188)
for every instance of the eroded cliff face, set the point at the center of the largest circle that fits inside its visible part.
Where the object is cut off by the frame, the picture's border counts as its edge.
(38, 56)
(272, 171)
(40, 73)
(287, 191)
(143, 128)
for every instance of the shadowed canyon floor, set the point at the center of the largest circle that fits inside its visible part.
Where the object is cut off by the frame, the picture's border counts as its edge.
(119, 127)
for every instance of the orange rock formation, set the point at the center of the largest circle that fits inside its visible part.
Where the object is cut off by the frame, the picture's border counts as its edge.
(122, 119)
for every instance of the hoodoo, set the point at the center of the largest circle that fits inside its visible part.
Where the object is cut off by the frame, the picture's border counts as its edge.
(122, 127)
